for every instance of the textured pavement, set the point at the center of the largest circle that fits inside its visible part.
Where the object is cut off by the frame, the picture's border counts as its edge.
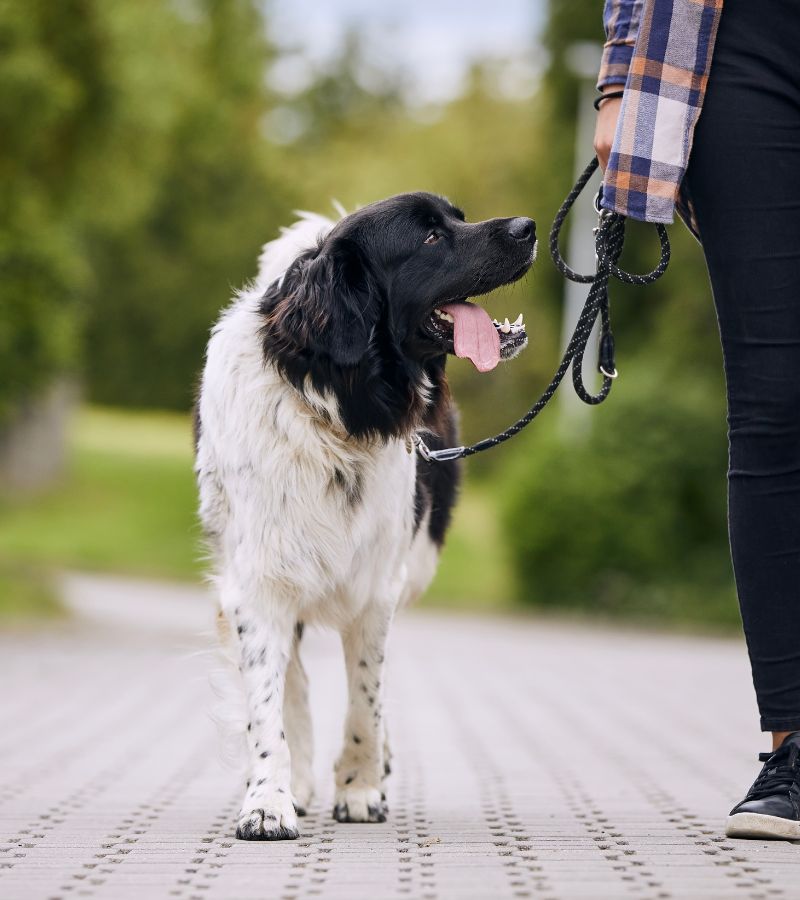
(532, 759)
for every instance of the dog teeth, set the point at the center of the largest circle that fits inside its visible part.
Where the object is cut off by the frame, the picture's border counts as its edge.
(445, 317)
(507, 327)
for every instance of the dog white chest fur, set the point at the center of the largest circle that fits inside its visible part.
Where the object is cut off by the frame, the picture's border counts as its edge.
(304, 525)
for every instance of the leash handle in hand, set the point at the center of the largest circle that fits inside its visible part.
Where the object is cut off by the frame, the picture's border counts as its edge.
(609, 240)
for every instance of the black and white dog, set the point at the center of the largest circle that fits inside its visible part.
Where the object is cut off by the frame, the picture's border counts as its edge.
(315, 505)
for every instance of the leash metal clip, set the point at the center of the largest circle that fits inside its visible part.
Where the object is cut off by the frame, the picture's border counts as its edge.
(603, 215)
(444, 455)
(422, 447)
(602, 212)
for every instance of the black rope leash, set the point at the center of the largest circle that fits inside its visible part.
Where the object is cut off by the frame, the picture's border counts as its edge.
(609, 239)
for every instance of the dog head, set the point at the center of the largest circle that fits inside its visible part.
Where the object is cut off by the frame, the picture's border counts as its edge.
(372, 311)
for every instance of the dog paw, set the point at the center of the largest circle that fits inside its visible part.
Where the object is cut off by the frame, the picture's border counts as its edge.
(276, 821)
(360, 804)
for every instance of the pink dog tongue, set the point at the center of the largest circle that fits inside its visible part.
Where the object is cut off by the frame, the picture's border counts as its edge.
(474, 335)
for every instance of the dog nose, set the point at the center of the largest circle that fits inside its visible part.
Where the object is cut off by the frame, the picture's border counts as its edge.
(522, 229)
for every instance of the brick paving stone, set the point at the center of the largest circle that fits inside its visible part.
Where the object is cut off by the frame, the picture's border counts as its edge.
(531, 759)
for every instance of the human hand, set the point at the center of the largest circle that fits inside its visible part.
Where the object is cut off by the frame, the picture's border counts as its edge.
(606, 126)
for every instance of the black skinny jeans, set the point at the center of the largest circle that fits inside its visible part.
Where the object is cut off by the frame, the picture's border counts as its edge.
(744, 178)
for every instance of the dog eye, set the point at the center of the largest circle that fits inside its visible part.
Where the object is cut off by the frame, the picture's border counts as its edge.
(432, 238)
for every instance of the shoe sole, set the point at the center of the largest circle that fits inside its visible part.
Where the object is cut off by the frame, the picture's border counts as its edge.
(754, 825)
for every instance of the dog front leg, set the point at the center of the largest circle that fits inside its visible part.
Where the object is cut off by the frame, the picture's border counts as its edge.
(297, 718)
(264, 642)
(360, 767)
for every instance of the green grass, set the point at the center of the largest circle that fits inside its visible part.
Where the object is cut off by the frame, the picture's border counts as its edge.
(127, 504)
(27, 593)
(475, 572)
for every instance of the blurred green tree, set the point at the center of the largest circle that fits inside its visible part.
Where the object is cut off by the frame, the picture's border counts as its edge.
(218, 195)
(631, 521)
(81, 120)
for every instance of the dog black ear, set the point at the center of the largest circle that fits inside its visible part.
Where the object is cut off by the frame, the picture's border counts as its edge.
(328, 303)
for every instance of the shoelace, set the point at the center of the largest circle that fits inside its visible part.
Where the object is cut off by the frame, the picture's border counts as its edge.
(780, 773)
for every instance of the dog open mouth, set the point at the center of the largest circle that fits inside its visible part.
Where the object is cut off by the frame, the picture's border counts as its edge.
(466, 330)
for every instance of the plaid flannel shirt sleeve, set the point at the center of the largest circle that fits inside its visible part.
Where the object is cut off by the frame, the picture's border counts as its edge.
(667, 73)
(621, 19)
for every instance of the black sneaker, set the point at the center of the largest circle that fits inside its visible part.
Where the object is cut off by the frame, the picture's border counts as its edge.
(771, 808)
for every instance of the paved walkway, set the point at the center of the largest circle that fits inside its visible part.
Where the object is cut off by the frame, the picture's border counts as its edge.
(532, 760)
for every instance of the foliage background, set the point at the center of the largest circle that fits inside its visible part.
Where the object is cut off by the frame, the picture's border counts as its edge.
(145, 159)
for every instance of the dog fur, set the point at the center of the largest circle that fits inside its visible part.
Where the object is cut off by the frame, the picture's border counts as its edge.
(314, 505)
